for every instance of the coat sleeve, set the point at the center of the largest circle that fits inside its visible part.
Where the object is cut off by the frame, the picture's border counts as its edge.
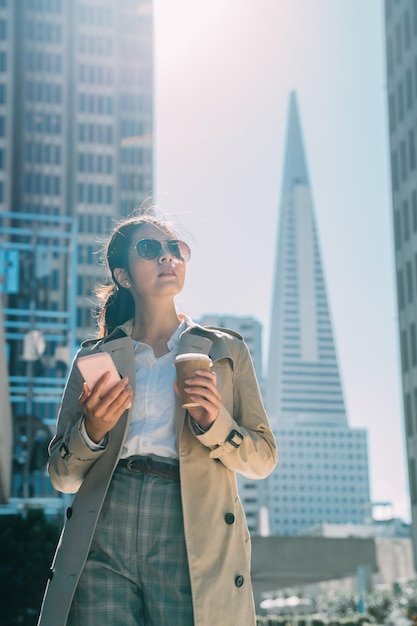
(241, 437)
(69, 456)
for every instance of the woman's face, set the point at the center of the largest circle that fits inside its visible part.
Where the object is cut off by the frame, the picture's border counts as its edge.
(161, 277)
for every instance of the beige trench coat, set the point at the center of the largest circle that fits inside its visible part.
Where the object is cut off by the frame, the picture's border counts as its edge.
(217, 538)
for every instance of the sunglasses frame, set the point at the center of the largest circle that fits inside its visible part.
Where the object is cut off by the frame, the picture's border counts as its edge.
(165, 245)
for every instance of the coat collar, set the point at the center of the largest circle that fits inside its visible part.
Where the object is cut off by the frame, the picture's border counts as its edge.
(195, 338)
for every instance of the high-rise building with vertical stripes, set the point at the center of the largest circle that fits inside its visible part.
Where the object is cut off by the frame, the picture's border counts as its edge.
(401, 67)
(76, 122)
(323, 470)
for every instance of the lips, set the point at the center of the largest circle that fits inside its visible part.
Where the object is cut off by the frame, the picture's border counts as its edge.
(167, 273)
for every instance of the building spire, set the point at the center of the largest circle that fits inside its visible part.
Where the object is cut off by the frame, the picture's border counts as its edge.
(303, 375)
(295, 167)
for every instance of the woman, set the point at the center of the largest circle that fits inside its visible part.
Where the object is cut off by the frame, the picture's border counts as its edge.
(156, 534)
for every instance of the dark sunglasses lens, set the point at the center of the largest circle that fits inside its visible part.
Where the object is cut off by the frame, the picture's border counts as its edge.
(179, 249)
(148, 249)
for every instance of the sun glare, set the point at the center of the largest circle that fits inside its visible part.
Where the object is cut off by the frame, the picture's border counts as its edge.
(183, 28)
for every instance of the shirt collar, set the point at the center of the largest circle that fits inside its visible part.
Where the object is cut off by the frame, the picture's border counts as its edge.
(174, 340)
(176, 336)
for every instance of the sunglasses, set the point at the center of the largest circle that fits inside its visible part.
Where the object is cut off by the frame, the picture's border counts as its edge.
(151, 249)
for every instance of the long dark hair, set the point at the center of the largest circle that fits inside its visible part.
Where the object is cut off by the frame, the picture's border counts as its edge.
(116, 304)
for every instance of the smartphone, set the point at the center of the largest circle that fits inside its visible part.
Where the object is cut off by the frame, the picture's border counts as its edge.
(93, 366)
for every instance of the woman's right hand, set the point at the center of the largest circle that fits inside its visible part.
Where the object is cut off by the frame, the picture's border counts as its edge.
(101, 414)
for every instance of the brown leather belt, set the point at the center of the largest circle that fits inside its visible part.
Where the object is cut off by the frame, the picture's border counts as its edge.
(147, 465)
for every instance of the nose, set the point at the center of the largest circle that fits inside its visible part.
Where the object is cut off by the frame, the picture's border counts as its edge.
(165, 255)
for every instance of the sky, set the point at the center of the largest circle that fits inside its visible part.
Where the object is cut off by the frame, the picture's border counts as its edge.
(224, 70)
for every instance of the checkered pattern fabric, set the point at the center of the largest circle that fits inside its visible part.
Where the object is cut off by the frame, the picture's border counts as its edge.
(137, 570)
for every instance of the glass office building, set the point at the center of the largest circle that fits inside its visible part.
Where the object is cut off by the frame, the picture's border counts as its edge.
(76, 123)
(401, 66)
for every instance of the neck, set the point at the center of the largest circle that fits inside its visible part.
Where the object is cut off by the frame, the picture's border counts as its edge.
(155, 326)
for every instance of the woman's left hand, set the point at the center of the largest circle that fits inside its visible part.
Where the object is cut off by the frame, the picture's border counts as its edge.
(203, 390)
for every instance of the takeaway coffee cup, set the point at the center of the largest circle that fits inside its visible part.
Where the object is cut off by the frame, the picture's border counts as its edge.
(186, 365)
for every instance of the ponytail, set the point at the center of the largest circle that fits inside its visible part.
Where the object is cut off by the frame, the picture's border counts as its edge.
(116, 307)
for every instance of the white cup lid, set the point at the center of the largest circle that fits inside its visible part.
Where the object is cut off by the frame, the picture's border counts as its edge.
(191, 356)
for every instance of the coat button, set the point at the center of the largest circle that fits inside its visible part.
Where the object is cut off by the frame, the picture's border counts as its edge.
(51, 574)
(239, 580)
(69, 512)
(229, 518)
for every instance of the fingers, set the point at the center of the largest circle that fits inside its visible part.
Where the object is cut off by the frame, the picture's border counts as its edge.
(203, 389)
(101, 414)
(204, 379)
(114, 402)
(84, 393)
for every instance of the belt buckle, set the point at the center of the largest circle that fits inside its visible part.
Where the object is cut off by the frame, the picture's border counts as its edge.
(129, 464)
(142, 466)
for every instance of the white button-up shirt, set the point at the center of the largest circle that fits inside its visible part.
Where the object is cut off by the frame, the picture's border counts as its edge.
(152, 427)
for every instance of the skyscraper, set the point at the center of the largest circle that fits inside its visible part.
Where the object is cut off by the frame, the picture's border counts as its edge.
(76, 121)
(323, 469)
(401, 64)
(303, 376)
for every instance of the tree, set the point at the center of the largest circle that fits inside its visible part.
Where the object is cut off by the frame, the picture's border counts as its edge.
(27, 544)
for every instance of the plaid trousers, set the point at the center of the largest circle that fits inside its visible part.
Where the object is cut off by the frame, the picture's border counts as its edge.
(137, 572)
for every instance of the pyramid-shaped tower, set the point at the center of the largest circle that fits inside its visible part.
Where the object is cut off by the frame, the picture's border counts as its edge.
(303, 376)
(322, 475)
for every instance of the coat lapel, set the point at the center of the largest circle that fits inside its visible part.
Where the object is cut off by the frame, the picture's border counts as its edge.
(121, 351)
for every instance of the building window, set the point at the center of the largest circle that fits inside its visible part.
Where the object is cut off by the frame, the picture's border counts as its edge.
(413, 345)
(409, 281)
(411, 150)
(409, 89)
(400, 98)
(412, 481)
(415, 271)
(406, 221)
(404, 351)
(398, 43)
(407, 29)
(397, 229)
(403, 160)
(414, 209)
(415, 75)
(415, 410)
(394, 170)
(400, 289)
(392, 112)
